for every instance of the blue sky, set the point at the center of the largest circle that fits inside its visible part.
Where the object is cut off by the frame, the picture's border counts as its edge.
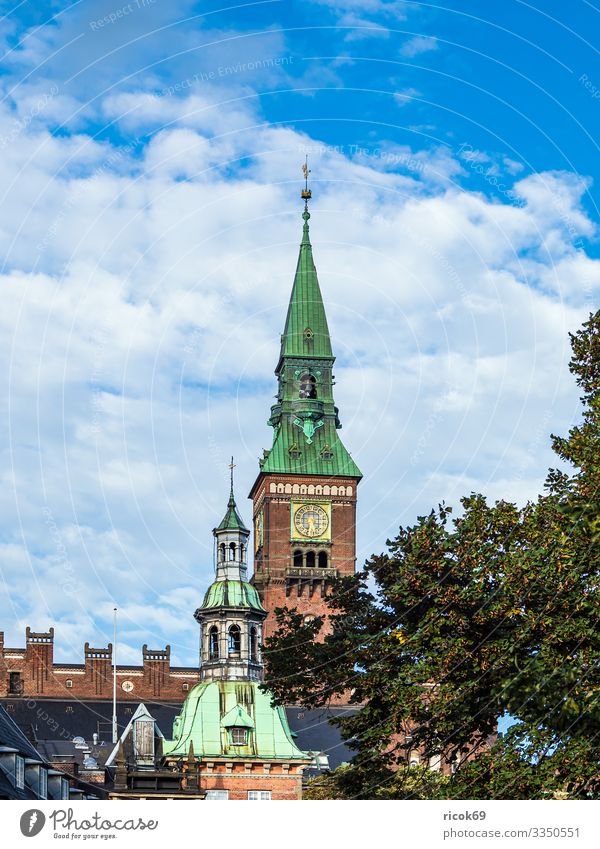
(150, 173)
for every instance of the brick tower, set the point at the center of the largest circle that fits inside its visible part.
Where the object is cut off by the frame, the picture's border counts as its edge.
(304, 498)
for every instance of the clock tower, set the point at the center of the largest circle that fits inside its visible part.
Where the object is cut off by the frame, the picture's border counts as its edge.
(304, 498)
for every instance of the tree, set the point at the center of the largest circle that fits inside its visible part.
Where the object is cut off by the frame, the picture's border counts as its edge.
(490, 613)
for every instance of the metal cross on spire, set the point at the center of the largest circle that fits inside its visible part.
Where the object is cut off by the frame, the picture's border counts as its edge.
(231, 468)
(306, 193)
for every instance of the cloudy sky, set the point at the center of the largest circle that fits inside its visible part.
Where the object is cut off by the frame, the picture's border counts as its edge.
(150, 175)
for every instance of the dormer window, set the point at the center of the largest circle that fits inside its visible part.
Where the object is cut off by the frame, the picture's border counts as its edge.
(308, 386)
(308, 334)
(326, 453)
(239, 736)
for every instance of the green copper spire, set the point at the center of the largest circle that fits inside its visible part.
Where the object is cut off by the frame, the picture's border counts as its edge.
(304, 418)
(306, 333)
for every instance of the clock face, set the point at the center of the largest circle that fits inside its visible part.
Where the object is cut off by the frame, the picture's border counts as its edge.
(127, 686)
(311, 520)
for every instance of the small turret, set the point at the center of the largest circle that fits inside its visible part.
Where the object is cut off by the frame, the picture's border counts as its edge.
(231, 537)
(231, 614)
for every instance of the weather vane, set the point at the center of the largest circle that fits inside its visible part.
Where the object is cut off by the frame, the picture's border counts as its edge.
(231, 468)
(306, 193)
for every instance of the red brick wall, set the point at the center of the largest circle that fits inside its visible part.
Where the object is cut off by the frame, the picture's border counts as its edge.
(275, 558)
(42, 678)
(284, 781)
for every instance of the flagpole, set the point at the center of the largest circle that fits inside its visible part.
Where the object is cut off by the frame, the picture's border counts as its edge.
(114, 716)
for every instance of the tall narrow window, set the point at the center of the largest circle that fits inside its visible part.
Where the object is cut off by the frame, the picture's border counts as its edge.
(19, 772)
(232, 551)
(298, 559)
(222, 551)
(322, 560)
(310, 559)
(253, 644)
(43, 783)
(235, 640)
(242, 553)
(15, 684)
(213, 642)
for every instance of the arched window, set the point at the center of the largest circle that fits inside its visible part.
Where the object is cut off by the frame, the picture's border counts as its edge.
(308, 386)
(222, 551)
(310, 559)
(322, 560)
(232, 551)
(234, 643)
(253, 643)
(242, 553)
(213, 642)
(298, 559)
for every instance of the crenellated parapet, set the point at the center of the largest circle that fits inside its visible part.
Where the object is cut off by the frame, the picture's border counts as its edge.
(30, 672)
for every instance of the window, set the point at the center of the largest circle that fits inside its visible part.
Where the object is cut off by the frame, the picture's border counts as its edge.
(239, 736)
(68, 683)
(242, 553)
(310, 559)
(323, 560)
(15, 684)
(235, 640)
(64, 788)
(253, 643)
(43, 784)
(297, 559)
(19, 772)
(222, 551)
(213, 643)
(232, 551)
(308, 386)
(259, 795)
(185, 686)
(217, 795)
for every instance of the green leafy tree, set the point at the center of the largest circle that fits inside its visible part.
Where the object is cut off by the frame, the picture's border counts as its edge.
(490, 613)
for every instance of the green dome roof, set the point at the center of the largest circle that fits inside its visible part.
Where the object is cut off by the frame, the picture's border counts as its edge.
(232, 594)
(212, 709)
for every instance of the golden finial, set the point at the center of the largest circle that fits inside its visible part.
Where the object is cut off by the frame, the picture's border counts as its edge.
(306, 193)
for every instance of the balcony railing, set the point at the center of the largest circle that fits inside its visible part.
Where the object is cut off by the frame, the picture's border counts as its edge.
(313, 573)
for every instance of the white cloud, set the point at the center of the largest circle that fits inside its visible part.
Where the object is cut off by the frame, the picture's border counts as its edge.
(417, 45)
(407, 95)
(144, 292)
